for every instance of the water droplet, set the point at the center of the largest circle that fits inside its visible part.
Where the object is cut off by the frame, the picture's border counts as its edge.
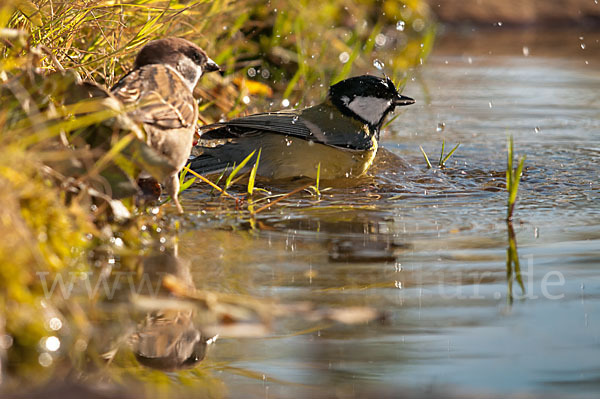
(288, 142)
(380, 40)
(490, 104)
(55, 324)
(580, 37)
(525, 51)
(285, 102)
(265, 73)
(246, 100)
(398, 284)
(80, 345)
(536, 232)
(537, 129)
(418, 25)
(377, 63)
(440, 127)
(45, 360)
(294, 119)
(470, 60)
(6, 341)
(344, 57)
(582, 46)
(52, 343)
(400, 26)
(251, 72)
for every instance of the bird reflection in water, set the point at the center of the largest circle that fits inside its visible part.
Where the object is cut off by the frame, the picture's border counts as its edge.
(167, 339)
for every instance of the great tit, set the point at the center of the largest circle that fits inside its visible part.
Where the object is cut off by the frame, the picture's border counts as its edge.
(160, 90)
(340, 134)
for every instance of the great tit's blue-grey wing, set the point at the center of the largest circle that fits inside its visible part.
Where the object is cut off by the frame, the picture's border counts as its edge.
(320, 124)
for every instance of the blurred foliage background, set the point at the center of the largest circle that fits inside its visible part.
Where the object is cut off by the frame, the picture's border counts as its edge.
(272, 52)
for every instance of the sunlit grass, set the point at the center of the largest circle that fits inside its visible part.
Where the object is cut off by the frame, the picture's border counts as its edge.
(443, 157)
(513, 177)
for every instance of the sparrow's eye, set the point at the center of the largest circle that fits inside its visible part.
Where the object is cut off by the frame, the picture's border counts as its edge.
(197, 57)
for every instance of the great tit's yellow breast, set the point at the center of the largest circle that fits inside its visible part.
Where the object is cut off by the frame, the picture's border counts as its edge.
(285, 157)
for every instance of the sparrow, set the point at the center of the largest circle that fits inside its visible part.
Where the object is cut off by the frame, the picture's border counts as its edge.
(167, 338)
(339, 136)
(159, 92)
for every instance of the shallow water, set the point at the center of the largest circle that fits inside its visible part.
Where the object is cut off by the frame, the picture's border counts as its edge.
(427, 248)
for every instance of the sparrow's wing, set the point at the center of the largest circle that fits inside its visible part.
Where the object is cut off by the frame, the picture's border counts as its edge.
(321, 124)
(160, 97)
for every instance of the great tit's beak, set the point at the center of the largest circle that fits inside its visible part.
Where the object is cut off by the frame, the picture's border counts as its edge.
(403, 100)
(211, 66)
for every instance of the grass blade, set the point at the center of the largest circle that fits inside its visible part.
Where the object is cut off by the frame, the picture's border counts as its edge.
(205, 180)
(449, 154)
(426, 158)
(262, 208)
(253, 173)
(183, 184)
(237, 169)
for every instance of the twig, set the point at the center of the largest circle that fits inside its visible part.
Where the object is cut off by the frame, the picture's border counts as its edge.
(262, 208)
(213, 185)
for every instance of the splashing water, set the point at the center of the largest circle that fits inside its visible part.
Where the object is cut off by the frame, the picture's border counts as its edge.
(377, 63)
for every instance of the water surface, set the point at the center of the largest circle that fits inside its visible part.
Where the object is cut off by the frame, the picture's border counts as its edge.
(427, 248)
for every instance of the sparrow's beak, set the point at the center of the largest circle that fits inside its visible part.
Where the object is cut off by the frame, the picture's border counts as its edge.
(403, 100)
(211, 66)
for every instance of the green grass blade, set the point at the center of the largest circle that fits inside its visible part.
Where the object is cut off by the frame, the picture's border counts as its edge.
(509, 166)
(237, 169)
(426, 158)
(183, 184)
(442, 153)
(253, 173)
(449, 154)
(390, 121)
(516, 179)
(318, 176)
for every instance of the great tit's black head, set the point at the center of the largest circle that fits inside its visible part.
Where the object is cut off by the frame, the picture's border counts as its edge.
(367, 98)
(186, 57)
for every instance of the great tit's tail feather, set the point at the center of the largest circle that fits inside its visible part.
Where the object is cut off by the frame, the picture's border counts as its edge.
(208, 164)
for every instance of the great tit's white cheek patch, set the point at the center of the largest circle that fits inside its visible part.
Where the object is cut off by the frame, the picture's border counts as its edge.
(370, 109)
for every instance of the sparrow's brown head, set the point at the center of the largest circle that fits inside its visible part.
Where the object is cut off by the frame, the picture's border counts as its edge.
(184, 56)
